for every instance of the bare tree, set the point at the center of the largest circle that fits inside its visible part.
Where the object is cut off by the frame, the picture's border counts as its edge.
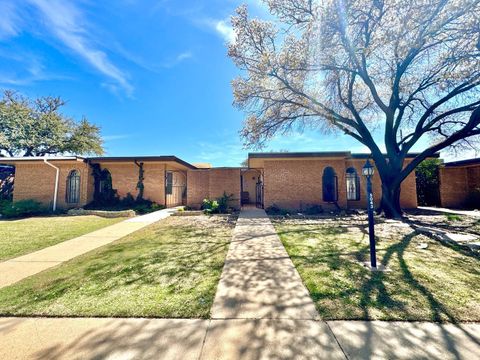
(406, 69)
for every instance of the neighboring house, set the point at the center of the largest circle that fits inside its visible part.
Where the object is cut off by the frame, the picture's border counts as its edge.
(459, 180)
(289, 180)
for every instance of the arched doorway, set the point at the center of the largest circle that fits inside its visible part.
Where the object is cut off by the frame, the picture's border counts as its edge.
(329, 185)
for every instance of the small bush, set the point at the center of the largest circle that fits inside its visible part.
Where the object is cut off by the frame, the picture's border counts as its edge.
(219, 206)
(22, 208)
(141, 206)
(313, 210)
(210, 206)
(276, 210)
(453, 217)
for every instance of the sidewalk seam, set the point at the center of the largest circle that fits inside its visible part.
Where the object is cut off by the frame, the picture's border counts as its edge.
(335, 337)
(204, 339)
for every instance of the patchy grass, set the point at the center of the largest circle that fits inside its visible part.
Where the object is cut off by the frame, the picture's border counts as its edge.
(20, 237)
(453, 217)
(169, 269)
(440, 283)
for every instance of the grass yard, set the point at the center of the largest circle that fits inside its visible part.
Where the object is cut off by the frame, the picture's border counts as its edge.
(169, 269)
(20, 237)
(440, 283)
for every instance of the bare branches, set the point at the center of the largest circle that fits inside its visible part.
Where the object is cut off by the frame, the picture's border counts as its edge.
(358, 66)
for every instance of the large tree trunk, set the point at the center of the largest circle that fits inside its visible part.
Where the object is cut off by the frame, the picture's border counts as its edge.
(390, 203)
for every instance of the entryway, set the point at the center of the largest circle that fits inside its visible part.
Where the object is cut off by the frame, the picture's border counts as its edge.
(251, 182)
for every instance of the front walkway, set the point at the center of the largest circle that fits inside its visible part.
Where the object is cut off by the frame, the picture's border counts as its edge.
(474, 213)
(261, 311)
(18, 268)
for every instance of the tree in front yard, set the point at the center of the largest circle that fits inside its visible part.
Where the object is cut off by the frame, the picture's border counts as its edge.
(408, 71)
(37, 128)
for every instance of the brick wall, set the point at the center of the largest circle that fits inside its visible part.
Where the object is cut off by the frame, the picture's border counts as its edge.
(125, 179)
(211, 184)
(456, 183)
(295, 184)
(154, 183)
(36, 180)
(408, 190)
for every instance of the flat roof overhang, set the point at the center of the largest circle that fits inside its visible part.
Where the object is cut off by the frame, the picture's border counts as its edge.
(460, 163)
(256, 160)
(13, 160)
(129, 159)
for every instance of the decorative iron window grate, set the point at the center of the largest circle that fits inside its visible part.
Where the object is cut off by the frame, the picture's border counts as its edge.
(73, 187)
(353, 185)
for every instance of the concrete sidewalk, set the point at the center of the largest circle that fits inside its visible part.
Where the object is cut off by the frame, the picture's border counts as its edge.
(106, 338)
(18, 268)
(261, 311)
(474, 213)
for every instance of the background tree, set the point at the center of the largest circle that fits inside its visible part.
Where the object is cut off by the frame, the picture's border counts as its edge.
(37, 128)
(428, 182)
(404, 70)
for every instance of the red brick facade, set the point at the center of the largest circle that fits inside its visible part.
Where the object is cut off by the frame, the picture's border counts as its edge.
(458, 181)
(290, 182)
(212, 184)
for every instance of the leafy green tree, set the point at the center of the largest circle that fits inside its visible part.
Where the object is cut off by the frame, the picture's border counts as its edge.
(37, 128)
(428, 183)
(393, 75)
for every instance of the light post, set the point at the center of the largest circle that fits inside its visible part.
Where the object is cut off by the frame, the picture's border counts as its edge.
(368, 171)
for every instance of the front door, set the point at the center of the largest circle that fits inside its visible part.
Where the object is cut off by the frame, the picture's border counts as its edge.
(175, 188)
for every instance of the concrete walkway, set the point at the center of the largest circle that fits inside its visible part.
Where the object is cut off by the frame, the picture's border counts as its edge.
(261, 311)
(474, 213)
(18, 268)
(96, 338)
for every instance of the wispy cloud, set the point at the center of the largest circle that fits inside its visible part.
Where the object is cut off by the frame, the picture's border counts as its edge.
(225, 30)
(9, 20)
(29, 68)
(116, 137)
(67, 24)
(221, 27)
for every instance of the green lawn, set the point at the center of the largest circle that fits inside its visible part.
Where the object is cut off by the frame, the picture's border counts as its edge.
(440, 283)
(20, 237)
(169, 269)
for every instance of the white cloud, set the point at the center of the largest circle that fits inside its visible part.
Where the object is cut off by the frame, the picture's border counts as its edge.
(185, 55)
(9, 20)
(221, 27)
(225, 30)
(116, 137)
(66, 22)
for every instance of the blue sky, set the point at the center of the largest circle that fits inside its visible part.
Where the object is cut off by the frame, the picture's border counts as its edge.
(153, 74)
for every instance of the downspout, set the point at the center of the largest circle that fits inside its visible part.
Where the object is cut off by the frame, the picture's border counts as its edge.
(56, 183)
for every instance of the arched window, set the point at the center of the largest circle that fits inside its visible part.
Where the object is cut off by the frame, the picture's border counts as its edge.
(329, 181)
(353, 184)
(73, 187)
(105, 183)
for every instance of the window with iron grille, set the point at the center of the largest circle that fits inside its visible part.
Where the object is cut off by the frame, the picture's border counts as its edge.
(353, 184)
(330, 188)
(73, 187)
(169, 183)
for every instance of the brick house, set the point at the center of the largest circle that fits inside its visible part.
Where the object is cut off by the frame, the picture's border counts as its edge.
(458, 180)
(289, 180)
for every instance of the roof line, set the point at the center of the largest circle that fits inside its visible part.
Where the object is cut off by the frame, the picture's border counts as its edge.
(143, 158)
(38, 158)
(473, 161)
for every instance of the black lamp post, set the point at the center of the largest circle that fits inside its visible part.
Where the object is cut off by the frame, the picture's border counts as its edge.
(368, 171)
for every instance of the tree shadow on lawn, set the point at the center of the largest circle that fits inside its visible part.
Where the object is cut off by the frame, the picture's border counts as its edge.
(175, 266)
(371, 287)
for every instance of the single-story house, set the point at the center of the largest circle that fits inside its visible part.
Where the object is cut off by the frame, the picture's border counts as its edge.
(458, 182)
(289, 180)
